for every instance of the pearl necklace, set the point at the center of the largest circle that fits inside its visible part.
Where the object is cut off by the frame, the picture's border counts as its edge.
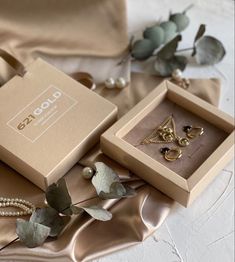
(26, 207)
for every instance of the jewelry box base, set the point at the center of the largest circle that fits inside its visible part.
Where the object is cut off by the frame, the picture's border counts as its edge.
(184, 179)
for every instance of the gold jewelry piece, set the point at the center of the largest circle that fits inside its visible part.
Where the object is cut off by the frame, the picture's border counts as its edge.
(171, 154)
(193, 131)
(162, 134)
(182, 141)
(166, 133)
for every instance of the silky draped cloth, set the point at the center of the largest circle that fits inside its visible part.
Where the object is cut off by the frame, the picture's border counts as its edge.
(134, 219)
(63, 30)
(67, 27)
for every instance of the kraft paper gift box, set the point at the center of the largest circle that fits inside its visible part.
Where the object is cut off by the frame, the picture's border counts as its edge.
(48, 121)
(205, 156)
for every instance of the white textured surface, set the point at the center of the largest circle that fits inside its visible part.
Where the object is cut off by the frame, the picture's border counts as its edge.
(205, 231)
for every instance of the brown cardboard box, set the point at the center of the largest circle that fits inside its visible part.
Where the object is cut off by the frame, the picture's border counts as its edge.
(48, 121)
(185, 178)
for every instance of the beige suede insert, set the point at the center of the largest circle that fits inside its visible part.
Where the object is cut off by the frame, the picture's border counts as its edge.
(193, 155)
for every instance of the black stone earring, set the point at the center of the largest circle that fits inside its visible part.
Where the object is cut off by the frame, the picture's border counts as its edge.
(171, 154)
(193, 131)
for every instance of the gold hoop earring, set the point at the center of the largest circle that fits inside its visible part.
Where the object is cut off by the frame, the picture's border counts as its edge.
(171, 154)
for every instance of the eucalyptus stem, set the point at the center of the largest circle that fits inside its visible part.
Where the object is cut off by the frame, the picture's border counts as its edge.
(85, 200)
(8, 244)
(188, 8)
(184, 49)
(124, 59)
(80, 202)
(128, 55)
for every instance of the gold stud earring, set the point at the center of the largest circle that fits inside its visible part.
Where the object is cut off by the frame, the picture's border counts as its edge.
(193, 131)
(171, 154)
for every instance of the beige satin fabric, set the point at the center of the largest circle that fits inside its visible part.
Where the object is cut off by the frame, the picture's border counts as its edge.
(134, 219)
(65, 27)
(61, 29)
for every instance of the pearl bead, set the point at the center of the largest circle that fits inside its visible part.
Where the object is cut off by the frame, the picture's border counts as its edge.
(87, 172)
(109, 83)
(177, 74)
(121, 83)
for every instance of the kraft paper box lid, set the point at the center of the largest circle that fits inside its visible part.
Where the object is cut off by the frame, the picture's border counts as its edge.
(48, 121)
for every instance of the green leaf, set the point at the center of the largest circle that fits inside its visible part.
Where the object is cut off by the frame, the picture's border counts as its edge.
(76, 210)
(107, 183)
(155, 34)
(181, 20)
(169, 49)
(142, 49)
(209, 50)
(117, 190)
(170, 30)
(58, 197)
(104, 178)
(165, 67)
(201, 31)
(31, 234)
(49, 217)
(130, 192)
(98, 213)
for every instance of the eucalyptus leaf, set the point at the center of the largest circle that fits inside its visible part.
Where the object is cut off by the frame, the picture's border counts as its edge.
(58, 197)
(124, 191)
(104, 178)
(98, 213)
(108, 185)
(209, 50)
(201, 31)
(49, 217)
(142, 49)
(31, 234)
(155, 34)
(76, 210)
(181, 20)
(168, 50)
(165, 67)
(170, 30)
(130, 192)
(117, 190)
